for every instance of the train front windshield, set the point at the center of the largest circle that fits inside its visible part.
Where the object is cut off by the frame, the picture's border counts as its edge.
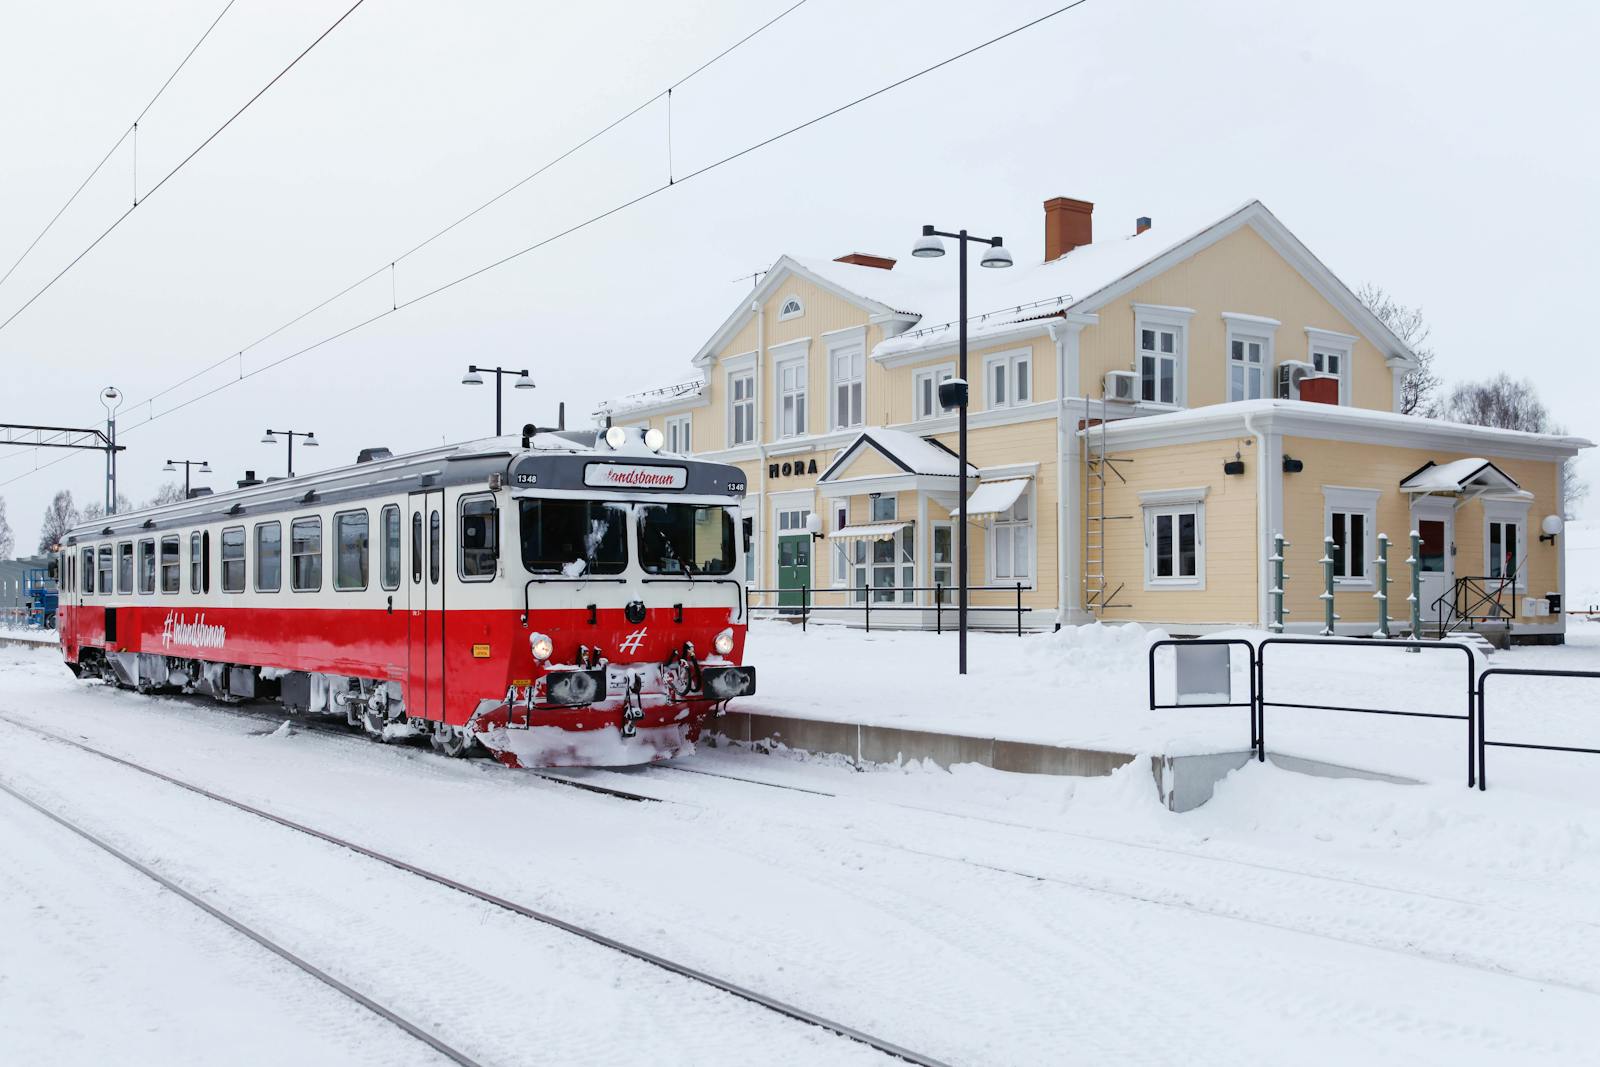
(685, 538)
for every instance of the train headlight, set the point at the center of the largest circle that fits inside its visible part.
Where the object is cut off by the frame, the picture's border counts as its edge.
(616, 437)
(654, 439)
(541, 646)
(723, 643)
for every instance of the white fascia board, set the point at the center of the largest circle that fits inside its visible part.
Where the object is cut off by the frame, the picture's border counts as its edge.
(812, 442)
(945, 349)
(890, 483)
(789, 349)
(1246, 321)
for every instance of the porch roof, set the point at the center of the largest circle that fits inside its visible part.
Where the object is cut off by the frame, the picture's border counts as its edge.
(1473, 475)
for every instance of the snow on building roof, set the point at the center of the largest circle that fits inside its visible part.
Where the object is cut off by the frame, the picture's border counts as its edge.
(1457, 476)
(690, 389)
(1313, 419)
(912, 454)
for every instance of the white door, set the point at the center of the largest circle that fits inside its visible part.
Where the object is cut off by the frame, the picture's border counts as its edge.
(1436, 557)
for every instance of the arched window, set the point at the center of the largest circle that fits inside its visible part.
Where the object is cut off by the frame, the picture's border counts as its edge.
(791, 309)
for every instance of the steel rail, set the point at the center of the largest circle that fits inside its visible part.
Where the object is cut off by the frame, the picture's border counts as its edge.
(643, 955)
(453, 1054)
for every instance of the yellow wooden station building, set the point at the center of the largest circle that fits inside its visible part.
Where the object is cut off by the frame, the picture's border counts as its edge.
(1147, 412)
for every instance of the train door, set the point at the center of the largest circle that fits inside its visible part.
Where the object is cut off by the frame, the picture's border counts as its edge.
(425, 604)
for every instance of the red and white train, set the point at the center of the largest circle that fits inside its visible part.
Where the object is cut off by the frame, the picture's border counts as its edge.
(577, 600)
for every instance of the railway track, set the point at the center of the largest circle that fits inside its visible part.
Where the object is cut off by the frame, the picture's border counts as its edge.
(731, 988)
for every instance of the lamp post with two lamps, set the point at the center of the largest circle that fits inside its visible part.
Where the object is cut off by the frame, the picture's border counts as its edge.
(271, 438)
(474, 376)
(954, 393)
(111, 400)
(172, 465)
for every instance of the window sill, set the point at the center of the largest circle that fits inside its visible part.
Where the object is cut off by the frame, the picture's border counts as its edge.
(1175, 583)
(1354, 584)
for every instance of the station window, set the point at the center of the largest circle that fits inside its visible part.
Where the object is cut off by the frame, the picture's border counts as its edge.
(171, 564)
(350, 550)
(125, 567)
(1174, 546)
(479, 538)
(269, 557)
(104, 584)
(1012, 539)
(87, 568)
(389, 522)
(233, 559)
(305, 555)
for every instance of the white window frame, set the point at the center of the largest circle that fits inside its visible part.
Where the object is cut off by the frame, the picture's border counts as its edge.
(1248, 329)
(1009, 361)
(736, 402)
(933, 375)
(1162, 317)
(839, 564)
(796, 365)
(1173, 503)
(1007, 523)
(677, 429)
(1343, 345)
(1347, 500)
(784, 314)
(1508, 513)
(854, 349)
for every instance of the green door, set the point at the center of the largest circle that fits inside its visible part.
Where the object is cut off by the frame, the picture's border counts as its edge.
(794, 569)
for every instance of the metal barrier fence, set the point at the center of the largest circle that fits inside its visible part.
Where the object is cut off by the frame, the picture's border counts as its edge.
(1484, 744)
(940, 605)
(1200, 642)
(1259, 700)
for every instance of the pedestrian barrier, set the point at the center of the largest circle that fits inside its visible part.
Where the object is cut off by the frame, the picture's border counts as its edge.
(943, 602)
(1180, 645)
(1484, 744)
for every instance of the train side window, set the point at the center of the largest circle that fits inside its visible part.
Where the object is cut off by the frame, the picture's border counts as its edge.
(87, 569)
(416, 547)
(435, 545)
(194, 562)
(171, 564)
(233, 559)
(269, 557)
(125, 567)
(205, 562)
(478, 538)
(147, 565)
(305, 555)
(389, 521)
(104, 584)
(350, 550)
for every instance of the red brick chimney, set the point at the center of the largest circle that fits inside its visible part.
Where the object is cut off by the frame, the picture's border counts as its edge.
(864, 259)
(1068, 224)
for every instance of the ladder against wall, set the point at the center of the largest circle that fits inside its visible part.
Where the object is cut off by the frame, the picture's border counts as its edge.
(1100, 590)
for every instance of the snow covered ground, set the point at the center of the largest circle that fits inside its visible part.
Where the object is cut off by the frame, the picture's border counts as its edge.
(33, 634)
(974, 916)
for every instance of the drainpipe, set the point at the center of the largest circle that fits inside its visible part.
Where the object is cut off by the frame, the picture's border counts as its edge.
(761, 437)
(1263, 519)
(1063, 509)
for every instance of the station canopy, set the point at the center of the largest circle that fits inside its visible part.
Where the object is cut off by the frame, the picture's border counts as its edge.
(1462, 477)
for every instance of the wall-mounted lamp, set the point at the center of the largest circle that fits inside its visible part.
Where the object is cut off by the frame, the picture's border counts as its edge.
(814, 526)
(1292, 465)
(1551, 526)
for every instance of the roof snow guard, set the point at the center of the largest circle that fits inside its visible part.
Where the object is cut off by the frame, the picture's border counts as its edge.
(1466, 478)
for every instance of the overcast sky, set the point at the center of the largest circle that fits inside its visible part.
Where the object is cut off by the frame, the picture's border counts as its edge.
(1436, 149)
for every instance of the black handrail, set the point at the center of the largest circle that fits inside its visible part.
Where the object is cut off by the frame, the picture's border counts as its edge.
(868, 606)
(1526, 672)
(1250, 661)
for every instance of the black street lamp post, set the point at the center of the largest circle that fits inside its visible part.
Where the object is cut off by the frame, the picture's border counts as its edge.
(955, 393)
(172, 465)
(474, 376)
(271, 438)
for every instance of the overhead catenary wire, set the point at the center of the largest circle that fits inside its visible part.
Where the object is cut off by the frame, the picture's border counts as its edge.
(600, 217)
(133, 130)
(138, 202)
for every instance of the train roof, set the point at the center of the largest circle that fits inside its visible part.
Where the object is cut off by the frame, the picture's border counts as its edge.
(556, 459)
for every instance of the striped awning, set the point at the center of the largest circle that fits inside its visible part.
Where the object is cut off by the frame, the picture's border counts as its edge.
(878, 531)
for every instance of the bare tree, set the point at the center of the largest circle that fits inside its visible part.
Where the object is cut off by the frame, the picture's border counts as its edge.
(1507, 404)
(169, 493)
(97, 510)
(59, 517)
(1418, 389)
(8, 541)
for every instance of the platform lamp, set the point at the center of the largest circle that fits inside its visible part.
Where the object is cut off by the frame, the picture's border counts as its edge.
(955, 393)
(271, 438)
(474, 376)
(199, 464)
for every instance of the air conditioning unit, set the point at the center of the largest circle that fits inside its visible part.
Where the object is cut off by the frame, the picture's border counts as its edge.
(1290, 372)
(1122, 385)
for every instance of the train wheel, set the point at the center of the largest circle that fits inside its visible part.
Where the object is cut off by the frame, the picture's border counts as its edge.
(372, 722)
(452, 741)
